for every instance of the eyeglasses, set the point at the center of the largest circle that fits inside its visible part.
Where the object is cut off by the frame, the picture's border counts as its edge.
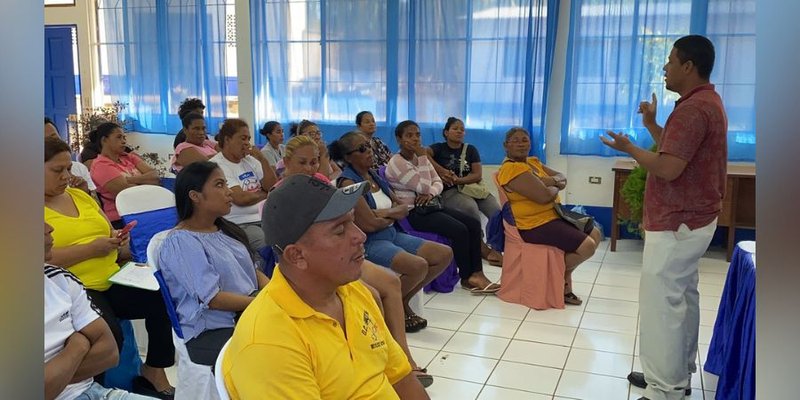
(515, 141)
(316, 133)
(361, 149)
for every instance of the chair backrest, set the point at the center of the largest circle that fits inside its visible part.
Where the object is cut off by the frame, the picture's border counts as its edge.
(501, 193)
(218, 376)
(143, 198)
(152, 255)
(154, 209)
(154, 246)
(172, 312)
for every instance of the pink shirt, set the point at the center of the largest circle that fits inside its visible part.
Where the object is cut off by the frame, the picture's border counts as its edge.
(105, 170)
(208, 149)
(409, 178)
(696, 132)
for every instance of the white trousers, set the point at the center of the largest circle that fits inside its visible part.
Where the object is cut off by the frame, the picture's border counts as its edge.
(669, 308)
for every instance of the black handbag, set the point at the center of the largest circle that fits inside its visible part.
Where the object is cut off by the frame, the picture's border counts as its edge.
(584, 223)
(434, 205)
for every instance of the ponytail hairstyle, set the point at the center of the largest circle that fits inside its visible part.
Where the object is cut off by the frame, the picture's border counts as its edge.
(228, 129)
(92, 147)
(267, 129)
(296, 128)
(360, 117)
(448, 124)
(192, 178)
(339, 148)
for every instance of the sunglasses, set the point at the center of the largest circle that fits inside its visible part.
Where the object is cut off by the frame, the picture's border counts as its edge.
(361, 149)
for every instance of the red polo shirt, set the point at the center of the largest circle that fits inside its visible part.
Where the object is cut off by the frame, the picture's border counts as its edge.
(696, 132)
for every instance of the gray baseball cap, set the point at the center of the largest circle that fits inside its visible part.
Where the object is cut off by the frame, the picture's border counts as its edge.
(301, 201)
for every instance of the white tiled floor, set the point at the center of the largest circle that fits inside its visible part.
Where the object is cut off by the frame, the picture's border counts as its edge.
(483, 348)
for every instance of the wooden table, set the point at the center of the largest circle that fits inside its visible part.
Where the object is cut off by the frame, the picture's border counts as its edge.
(738, 206)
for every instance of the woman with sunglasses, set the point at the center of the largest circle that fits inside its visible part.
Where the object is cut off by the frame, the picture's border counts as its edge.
(417, 261)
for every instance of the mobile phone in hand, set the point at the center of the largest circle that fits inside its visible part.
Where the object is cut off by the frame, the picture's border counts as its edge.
(126, 229)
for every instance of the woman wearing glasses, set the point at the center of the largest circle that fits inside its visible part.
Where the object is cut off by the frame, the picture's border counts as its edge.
(532, 189)
(417, 261)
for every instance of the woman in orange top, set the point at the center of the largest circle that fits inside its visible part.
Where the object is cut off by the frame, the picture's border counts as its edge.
(532, 189)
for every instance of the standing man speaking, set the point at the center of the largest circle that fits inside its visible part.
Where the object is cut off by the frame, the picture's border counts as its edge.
(683, 197)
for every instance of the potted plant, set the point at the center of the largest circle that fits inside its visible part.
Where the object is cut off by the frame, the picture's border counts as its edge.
(633, 195)
(92, 117)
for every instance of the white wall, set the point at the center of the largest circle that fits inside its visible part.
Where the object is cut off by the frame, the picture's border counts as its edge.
(578, 169)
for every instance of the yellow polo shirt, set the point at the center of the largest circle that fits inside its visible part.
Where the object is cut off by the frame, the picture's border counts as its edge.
(284, 349)
(528, 214)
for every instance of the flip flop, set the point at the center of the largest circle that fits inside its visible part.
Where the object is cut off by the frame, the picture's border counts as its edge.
(422, 375)
(491, 288)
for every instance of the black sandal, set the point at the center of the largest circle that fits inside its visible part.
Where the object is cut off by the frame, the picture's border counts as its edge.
(415, 323)
(571, 299)
(143, 386)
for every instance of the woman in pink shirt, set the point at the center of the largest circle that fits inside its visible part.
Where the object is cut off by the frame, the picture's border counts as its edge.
(415, 182)
(115, 170)
(197, 147)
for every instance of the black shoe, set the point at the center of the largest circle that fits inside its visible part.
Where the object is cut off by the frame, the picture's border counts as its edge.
(142, 386)
(637, 379)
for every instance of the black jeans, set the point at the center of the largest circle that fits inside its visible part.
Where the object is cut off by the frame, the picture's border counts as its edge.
(463, 231)
(124, 302)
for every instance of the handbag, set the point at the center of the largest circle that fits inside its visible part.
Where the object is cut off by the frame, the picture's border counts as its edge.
(434, 205)
(477, 190)
(584, 223)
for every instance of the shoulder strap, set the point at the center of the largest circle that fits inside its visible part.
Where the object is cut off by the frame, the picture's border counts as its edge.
(462, 159)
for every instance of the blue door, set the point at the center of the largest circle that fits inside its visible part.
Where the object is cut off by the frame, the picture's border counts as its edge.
(59, 76)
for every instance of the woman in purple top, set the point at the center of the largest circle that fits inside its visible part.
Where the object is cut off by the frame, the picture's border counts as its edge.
(207, 262)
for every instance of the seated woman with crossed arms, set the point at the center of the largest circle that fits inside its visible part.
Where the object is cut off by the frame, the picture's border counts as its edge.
(532, 190)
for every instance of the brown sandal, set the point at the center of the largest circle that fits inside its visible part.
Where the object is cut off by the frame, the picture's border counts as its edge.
(495, 258)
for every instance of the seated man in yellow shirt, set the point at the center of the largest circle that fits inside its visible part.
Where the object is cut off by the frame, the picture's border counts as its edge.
(315, 332)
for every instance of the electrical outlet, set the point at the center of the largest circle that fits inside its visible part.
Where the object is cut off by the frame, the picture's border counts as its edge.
(595, 180)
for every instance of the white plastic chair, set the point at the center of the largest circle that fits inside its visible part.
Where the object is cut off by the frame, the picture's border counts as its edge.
(219, 379)
(195, 381)
(135, 200)
(143, 198)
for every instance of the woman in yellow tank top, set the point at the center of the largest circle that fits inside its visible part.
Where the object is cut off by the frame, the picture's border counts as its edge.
(532, 189)
(85, 244)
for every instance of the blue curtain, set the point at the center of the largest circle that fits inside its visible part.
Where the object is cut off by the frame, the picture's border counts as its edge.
(483, 61)
(615, 55)
(156, 53)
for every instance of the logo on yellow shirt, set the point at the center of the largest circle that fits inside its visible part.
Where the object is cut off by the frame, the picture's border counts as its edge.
(370, 328)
